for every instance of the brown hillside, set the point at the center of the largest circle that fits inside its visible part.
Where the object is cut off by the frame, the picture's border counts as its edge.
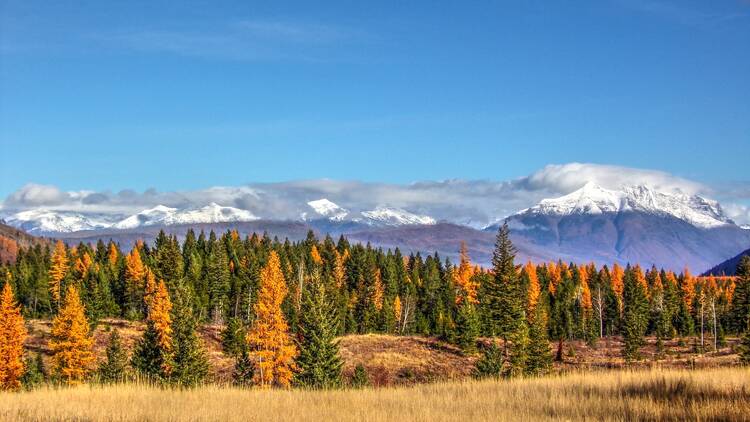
(404, 360)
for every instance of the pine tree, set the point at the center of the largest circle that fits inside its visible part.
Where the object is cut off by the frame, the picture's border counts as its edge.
(12, 336)
(744, 348)
(740, 309)
(244, 370)
(71, 343)
(233, 338)
(190, 364)
(319, 362)
(57, 271)
(467, 327)
(360, 379)
(35, 373)
(149, 359)
(491, 364)
(635, 313)
(268, 339)
(505, 305)
(217, 278)
(113, 369)
(539, 359)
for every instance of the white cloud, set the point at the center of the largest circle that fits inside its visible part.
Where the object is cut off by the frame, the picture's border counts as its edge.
(474, 202)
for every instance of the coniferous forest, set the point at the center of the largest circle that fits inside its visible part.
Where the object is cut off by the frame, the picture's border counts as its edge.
(282, 305)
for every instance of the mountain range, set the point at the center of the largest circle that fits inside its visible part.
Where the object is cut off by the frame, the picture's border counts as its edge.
(631, 224)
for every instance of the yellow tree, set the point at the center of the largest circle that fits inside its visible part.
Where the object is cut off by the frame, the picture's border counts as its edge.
(315, 255)
(71, 343)
(112, 255)
(135, 273)
(462, 276)
(339, 271)
(12, 336)
(57, 270)
(268, 339)
(617, 281)
(534, 290)
(159, 308)
(397, 312)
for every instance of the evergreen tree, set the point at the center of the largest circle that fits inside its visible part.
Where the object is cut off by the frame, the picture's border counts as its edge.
(467, 327)
(740, 310)
(113, 369)
(635, 313)
(318, 361)
(35, 373)
(539, 359)
(190, 364)
(233, 338)
(744, 348)
(491, 364)
(360, 379)
(244, 369)
(149, 358)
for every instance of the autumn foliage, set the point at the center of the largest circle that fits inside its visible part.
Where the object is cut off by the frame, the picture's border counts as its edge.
(71, 343)
(57, 270)
(268, 339)
(12, 336)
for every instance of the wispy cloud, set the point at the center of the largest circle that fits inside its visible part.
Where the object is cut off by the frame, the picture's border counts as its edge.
(679, 12)
(246, 40)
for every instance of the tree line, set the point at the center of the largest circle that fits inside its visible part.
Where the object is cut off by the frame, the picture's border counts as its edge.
(282, 304)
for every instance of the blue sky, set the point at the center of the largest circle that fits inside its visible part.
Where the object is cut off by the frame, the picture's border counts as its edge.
(187, 95)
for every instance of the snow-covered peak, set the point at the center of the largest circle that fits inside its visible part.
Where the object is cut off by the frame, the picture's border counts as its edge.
(41, 220)
(328, 209)
(162, 215)
(594, 199)
(395, 217)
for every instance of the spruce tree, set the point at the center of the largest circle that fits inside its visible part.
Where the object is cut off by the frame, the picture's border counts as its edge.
(504, 303)
(319, 363)
(190, 364)
(35, 373)
(635, 313)
(740, 310)
(744, 348)
(233, 337)
(360, 379)
(244, 370)
(491, 364)
(539, 360)
(149, 358)
(113, 369)
(467, 327)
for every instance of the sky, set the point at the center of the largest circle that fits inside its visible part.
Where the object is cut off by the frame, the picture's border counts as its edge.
(184, 96)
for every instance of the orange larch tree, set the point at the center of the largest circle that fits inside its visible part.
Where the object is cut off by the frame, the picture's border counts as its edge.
(687, 287)
(269, 342)
(463, 277)
(618, 284)
(534, 290)
(71, 343)
(159, 313)
(57, 271)
(12, 336)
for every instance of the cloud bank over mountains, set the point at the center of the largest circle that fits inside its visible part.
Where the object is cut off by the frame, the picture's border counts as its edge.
(476, 203)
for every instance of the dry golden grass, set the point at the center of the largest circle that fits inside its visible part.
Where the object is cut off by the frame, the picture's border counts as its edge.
(706, 394)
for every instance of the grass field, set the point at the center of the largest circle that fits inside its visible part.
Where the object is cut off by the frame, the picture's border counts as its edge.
(672, 394)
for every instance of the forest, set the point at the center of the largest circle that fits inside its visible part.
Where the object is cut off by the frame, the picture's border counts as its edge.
(282, 305)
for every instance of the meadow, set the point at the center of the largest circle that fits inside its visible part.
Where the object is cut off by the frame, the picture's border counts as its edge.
(656, 394)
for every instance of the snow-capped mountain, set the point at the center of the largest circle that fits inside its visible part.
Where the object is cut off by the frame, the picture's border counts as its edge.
(47, 221)
(162, 215)
(593, 199)
(395, 217)
(327, 209)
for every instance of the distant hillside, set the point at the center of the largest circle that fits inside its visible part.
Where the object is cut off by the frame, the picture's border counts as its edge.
(12, 238)
(728, 267)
